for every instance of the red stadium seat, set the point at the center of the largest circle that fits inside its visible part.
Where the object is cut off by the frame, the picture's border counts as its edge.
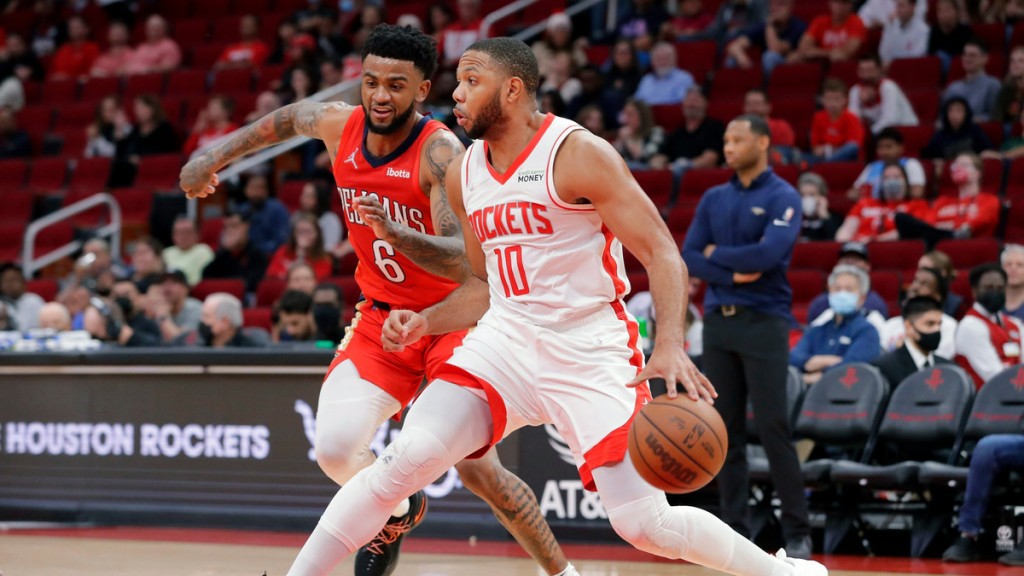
(913, 74)
(668, 116)
(72, 141)
(790, 80)
(261, 317)
(926, 105)
(204, 56)
(53, 237)
(215, 8)
(210, 231)
(898, 255)
(268, 75)
(733, 83)
(46, 288)
(839, 176)
(225, 28)
(59, 92)
(35, 118)
(159, 172)
(845, 71)
(15, 175)
(96, 88)
(598, 54)
(233, 286)
(724, 110)
(289, 192)
(680, 217)
(90, 174)
(17, 207)
(1015, 181)
(11, 237)
(1015, 223)
(232, 81)
(887, 284)
(994, 131)
(49, 175)
(268, 291)
(915, 138)
(806, 285)
(192, 31)
(697, 58)
(186, 83)
(994, 34)
(695, 182)
(144, 84)
(136, 205)
(969, 252)
(820, 256)
(657, 184)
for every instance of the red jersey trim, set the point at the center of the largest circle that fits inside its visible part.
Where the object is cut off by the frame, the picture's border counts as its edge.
(502, 178)
(499, 414)
(549, 181)
(610, 265)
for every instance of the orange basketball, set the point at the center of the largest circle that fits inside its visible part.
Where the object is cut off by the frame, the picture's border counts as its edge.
(678, 445)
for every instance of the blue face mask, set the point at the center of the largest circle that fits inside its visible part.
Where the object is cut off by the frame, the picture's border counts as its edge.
(843, 303)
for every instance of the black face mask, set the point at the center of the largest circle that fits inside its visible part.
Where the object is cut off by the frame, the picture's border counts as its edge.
(993, 302)
(328, 320)
(206, 333)
(125, 304)
(928, 341)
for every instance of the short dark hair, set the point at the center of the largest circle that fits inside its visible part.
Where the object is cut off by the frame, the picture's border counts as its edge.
(761, 91)
(979, 42)
(918, 305)
(332, 287)
(514, 58)
(870, 57)
(6, 266)
(295, 302)
(981, 269)
(403, 43)
(890, 133)
(757, 124)
(833, 85)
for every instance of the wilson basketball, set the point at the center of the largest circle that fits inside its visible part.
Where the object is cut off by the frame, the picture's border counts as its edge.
(678, 445)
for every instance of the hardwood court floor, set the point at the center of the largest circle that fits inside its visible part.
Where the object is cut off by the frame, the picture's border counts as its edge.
(199, 552)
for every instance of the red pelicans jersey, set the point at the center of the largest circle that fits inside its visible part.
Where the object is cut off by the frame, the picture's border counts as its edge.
(383, 273)
(547, 261)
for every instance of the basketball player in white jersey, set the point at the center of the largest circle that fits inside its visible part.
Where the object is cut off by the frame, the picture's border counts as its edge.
(544, 205)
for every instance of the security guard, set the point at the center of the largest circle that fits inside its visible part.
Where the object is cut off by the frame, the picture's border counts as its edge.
(740, 243)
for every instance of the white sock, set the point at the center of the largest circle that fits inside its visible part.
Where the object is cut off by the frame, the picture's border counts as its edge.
(319, 555)
(570, 570)
(402, 509)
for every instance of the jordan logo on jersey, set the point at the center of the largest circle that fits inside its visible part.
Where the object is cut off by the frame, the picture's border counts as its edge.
(508, 219)
(352, 158)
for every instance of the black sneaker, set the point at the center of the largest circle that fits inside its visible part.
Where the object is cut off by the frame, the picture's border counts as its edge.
(1014, 557)
(380, 556)
(963, 550)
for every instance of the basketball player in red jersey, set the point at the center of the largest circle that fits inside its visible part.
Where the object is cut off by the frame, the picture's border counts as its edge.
(543, 204)
(389, 162)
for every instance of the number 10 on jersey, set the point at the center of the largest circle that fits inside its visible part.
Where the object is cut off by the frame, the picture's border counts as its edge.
(512, 271)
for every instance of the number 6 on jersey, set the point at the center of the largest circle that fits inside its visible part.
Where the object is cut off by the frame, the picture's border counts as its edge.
(388, 267)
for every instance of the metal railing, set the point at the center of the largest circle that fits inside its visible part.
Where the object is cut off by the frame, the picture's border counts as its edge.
(31, 263)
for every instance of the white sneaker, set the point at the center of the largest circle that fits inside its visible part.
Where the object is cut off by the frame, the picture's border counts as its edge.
(803, 567)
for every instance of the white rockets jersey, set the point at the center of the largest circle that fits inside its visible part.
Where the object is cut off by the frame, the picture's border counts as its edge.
(547, 261)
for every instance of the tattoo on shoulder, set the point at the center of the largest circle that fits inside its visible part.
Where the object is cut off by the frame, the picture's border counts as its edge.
(440, 154)
(308, 117)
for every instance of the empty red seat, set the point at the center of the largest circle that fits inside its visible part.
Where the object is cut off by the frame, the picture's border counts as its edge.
(697, 58)
(233, 286)
(75, 115)
(839, 176)
(232, 80)
(225, 28)
(15, 175)
(192, 31)
(136, 205)
(657, 184)
(10, 242)
(159, 172)
(1015, 223)
(886, 283)
(681, 216)
(90, 174)
(1015, 181)
(48, 175)
(261, 317)
(289, 192)
(914, 74)
(144, 84)
(969, 252)
(269, 291)
(794, 79)
(668, 116)
(806, 285)
(205, 55)
(72, 141)
(820, 256)
(724, 110)
(993, 33)
(52, 237)
(915, 138)
(845, 71)
(696, 181)
(733, 83)
(35, 118)
(59, 92)
(46, 288)
(898, 255)
(926, 106)
(215, 8)
(210, 230)
(186, 82)
(597, 54)
(97, 88)
(17, 207)
(268, 76)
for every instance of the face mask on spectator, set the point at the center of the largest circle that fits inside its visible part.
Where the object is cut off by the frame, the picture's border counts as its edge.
(928, 341)
(893, 189)
(843, 302)
(993, 302)
(810, 205)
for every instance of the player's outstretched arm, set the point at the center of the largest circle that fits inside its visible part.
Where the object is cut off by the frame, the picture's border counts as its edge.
(587, 168)
(441, 253)
(321, 120)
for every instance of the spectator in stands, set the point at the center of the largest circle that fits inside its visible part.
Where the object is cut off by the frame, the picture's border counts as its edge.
(95, 269)
(642, 23)
(622, 71)
(133, 305)
(309, 18)
(13, 290)
(266, 103)
(557, 38)
(18, 60)
(873, 219)
(118, 56)
(695, 144)
(300, 85)
(213, 122)
(666, 83)
(733, 17)
(849, 337)
(152, 134)
(991, 459)
(105, 321)
(639, 138)
(958, 133)
(14, 142)
(949, 35)
(776, 38)
(328, 303)
(75, 58)
(237, 256)
(818, 223)
(221, 323)
(158, 53)
(301, 277)
(837, 135)
(928, 283)
(1007, 11)
(592, 118)
(1010, 102)
(460, 33)
(295, 322)
(1012, 261)
(852, 254)
(783, 138)
(171, 307)
(1012, 148)
(836, 36)
(888, 150)
(54, 316)
(187, 253)
(593, 93)
(879, 13)
(879, 102)
(922, 319)
(315, 201)
(987, 339)
(439, 16)
(305, 244)
(250, 51)
(561, 78)
(906, 35)
(938, 260)
(12, 93)
(550, 102)
(8, 322)
(287, 30)
(147, 262)
(268, 218)
(690, 20)
(977, 87)
(110, 125)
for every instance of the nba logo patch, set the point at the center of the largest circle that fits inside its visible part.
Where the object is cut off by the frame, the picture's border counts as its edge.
(788, 214)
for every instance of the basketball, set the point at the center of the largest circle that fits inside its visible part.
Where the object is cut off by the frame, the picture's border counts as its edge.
(678, 445)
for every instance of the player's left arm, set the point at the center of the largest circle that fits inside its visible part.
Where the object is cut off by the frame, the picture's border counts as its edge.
(443, 252)
(588, 170)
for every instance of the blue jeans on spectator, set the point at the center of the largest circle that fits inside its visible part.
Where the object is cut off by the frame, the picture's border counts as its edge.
(946, 59)
(992, 455)
(769, 60)
(848, 152)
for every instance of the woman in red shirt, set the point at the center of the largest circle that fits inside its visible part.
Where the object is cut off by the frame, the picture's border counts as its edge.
(875, 219)
(305, 244)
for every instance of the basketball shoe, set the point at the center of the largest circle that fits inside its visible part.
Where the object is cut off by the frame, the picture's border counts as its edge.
(380, 556)
(802, 567)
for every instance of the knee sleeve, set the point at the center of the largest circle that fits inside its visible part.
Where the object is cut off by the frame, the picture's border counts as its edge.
(414, 460)
(340, 459)
(644, 523)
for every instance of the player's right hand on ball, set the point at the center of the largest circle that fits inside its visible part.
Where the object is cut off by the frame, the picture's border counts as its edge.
(401, 329)
(198, 179)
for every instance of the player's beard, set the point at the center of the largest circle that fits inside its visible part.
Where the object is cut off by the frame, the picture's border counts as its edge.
(486, 119)
(394, 126)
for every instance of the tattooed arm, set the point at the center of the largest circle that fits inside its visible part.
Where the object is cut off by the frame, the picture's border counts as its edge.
(441, 253)
(324, 121)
